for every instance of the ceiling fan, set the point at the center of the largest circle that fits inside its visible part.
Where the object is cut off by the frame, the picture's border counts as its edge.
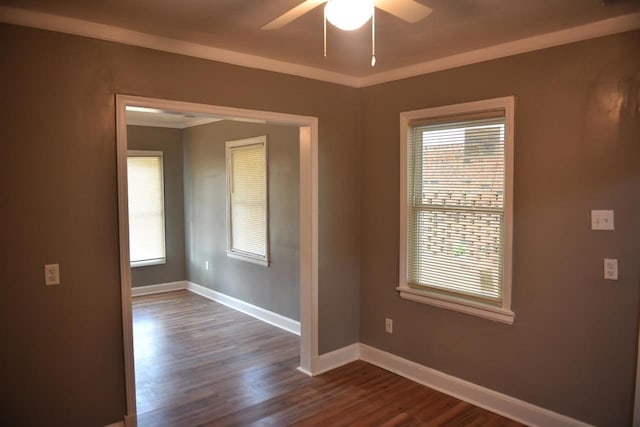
(350, 15)
(408, 10)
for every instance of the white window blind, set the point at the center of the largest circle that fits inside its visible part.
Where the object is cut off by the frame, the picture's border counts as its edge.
(456, 208)
(247, 188)
(146, 208)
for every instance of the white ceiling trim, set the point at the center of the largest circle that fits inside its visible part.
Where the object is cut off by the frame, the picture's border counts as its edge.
(159, 124)
(602, 28)
(153, 124)
(94, 30)
(200, 121)
(110, 33)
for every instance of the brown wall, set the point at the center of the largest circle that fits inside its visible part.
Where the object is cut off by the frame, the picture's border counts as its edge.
(276, 287)
(577, 148)
(169, 141)
(62, 356)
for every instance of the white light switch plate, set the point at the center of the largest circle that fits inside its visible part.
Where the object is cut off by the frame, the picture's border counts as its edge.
(602, 220)
(610, 269)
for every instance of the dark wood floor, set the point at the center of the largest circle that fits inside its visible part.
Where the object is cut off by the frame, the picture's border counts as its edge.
(201, 363)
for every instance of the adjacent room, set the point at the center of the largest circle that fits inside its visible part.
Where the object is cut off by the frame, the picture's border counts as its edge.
(320, 212)
(213, 227)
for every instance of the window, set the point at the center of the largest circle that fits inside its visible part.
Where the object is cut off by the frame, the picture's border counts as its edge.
(146, 208)
(456, 207)
(247, 200)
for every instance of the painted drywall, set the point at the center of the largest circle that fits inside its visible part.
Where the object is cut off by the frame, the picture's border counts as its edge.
(577, 148)
(169, 141)
(276, 287)
(62, 345)
(572, 344)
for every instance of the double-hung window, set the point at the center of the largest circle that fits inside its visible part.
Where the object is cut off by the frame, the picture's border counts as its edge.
(146, 208)
(247, 200)
(456, 207)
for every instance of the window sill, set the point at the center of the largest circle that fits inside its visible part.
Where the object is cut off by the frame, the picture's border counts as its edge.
(497, 314)
(248, 258)
(148, 262)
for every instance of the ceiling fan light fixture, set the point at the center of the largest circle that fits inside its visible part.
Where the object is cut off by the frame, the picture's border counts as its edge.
(348, 15)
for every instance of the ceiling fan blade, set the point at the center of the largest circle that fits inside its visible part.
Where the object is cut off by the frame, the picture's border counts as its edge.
(293, 14)
(408, 10)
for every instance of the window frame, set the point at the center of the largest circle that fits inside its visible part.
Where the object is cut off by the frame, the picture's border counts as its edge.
(454, 302)
(154, 261)
(232, 253)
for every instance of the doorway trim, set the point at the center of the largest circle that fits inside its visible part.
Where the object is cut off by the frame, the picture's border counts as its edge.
(308, 126)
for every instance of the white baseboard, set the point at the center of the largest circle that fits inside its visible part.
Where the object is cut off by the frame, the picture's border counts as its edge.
(260, 313)
(491, 400)
(157, 289)
(304, 371)
(335, 359)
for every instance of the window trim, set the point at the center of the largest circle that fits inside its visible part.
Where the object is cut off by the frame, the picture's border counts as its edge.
(240, 255)
(473, 307)
(162, 260)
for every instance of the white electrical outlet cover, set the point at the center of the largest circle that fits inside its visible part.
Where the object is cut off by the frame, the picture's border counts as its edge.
(610, 269)
(388, 325)
(51, 274)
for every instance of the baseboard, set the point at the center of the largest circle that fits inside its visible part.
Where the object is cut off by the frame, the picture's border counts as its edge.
(118, 424)
(260, 313)
(157, 289)
(491, 400)
(304, 371)
(335, 359)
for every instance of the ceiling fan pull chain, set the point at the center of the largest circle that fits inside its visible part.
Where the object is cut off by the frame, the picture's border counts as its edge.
(325, 32)
(373, 38)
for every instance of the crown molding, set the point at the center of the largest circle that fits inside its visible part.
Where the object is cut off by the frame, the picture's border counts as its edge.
(602, 28)
(158, 124)
(110, 33)
(78, 27)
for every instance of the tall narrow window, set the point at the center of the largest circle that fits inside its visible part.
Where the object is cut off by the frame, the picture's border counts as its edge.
(457, 165)
(247, 199)
(146, 208)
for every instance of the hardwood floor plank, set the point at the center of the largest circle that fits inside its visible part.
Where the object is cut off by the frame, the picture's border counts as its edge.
(199, 363)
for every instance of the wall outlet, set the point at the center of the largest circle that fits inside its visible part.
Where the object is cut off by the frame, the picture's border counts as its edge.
(388, 325)
(610, 269)
(206, 265)
(51, 274)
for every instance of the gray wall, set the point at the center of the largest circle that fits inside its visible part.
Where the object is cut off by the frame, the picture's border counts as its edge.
(62, 351)
(169, 141)
(577, 147)
(275, 288)
(572, 346)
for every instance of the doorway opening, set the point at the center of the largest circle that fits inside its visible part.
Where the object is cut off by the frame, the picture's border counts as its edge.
(308, 216)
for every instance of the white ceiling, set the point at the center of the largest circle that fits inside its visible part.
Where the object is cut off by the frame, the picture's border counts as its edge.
(457, 32)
